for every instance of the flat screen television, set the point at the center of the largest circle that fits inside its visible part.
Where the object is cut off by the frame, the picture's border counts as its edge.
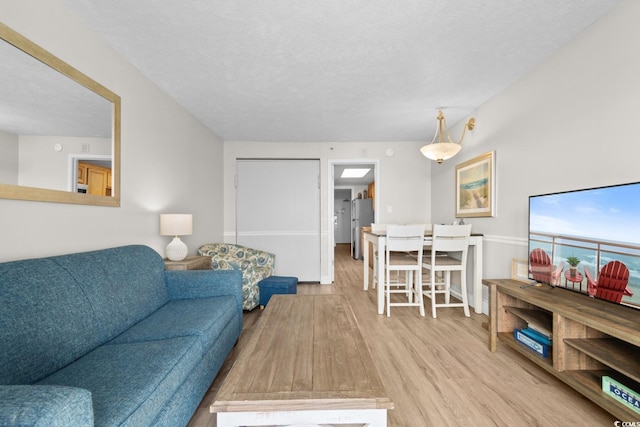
(599, 228)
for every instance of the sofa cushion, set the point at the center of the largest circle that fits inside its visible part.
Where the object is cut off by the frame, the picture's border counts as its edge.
(45, 406)
(204, 318)
(46, 321)
(123, 285)
(184, 403)
(130, 383)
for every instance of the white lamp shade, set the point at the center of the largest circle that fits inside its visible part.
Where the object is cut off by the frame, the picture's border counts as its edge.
(176, 224)
(440, 151)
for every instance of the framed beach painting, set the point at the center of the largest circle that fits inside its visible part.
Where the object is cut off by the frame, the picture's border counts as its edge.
(475, 187)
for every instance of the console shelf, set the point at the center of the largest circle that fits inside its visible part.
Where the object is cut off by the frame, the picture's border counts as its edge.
(619, 356)
(590, 338)
(534, 317)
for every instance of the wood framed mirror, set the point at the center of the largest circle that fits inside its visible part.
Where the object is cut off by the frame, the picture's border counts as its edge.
(54, 118)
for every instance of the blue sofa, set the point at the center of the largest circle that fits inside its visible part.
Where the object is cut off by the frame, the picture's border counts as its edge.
(109, 338)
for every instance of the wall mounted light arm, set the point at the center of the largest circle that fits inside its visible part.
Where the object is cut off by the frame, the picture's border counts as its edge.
(442, 147)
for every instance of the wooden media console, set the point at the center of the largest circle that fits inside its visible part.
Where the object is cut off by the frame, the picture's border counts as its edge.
(591, 338)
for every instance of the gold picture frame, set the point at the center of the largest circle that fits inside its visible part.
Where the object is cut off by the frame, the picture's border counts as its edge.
(475, 187)
(520, 270)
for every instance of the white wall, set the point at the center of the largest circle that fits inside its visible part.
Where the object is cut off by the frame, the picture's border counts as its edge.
(43, 167)
(170, 162)
(9, 149)
(342, 211)
(569, 124)
(402, 192)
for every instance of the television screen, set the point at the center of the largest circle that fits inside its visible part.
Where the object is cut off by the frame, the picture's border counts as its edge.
(588, 241)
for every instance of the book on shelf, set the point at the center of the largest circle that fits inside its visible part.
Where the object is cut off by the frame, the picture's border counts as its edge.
(538, 347)
(536, 319)
(622, 393)
(541, 330)
(535, 335)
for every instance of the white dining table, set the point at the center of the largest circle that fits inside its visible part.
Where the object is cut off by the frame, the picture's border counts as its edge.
(379, 240)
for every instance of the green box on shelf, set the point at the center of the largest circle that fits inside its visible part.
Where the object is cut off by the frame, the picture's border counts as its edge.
(621, 393)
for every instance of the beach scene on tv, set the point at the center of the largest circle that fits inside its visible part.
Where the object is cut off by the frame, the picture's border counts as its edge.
(588, 241)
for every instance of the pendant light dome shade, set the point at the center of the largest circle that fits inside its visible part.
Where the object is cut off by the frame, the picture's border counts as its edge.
(442, 147)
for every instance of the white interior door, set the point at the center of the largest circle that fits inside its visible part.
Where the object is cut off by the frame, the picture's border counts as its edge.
(278, 210)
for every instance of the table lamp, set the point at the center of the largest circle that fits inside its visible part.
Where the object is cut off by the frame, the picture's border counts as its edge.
(176, 225)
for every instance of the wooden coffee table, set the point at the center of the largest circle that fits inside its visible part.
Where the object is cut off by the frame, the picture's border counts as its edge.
(306, 362)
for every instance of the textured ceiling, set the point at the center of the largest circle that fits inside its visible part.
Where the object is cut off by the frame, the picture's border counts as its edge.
(35, 99)
(335, 70)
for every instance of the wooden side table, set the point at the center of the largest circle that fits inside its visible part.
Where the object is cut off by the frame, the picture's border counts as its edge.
(189, 263)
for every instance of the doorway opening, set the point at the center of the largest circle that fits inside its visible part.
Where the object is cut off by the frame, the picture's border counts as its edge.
(345, 221)
(77, 184)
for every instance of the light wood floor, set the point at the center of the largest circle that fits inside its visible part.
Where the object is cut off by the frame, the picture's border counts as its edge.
(439, 372)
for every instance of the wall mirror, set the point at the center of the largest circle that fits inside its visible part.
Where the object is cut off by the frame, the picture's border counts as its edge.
(59, 129)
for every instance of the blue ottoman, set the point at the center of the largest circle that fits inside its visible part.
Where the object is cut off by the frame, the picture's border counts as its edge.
(276, 285)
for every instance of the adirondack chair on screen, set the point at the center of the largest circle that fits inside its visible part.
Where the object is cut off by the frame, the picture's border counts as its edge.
(611, 284)
(541, 268)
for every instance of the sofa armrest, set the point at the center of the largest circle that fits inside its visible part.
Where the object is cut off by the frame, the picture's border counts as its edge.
(188, 284)
(45, 405)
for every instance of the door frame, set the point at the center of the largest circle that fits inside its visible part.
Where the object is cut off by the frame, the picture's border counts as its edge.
(330, 205)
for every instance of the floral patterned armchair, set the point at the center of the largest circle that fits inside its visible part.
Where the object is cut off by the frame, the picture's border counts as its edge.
(254, 264)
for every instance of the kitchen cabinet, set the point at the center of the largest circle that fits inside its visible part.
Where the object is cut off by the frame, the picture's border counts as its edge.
(96, 178)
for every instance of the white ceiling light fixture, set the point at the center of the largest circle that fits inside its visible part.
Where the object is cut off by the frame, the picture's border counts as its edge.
(354, 172)
(442, 147)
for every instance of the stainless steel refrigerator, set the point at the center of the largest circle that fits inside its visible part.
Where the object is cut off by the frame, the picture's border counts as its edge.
(361, 216)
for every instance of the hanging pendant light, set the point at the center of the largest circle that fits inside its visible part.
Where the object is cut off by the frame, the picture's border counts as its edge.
(442, 147)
